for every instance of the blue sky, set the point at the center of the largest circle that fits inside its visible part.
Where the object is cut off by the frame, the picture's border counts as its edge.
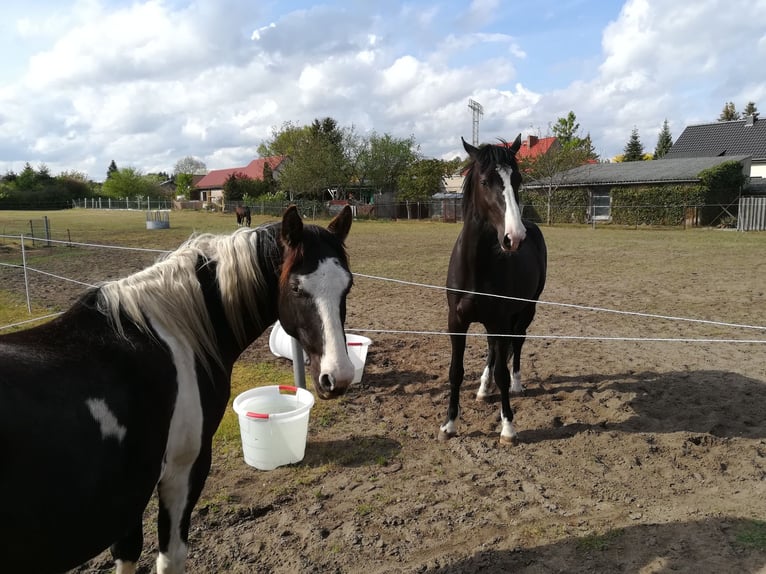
(147, 83)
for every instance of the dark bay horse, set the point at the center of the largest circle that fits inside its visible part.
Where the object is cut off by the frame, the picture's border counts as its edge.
(243, 215)
(496, 253)
(121, 395)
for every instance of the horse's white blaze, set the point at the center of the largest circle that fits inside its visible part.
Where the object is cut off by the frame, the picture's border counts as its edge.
(516, 386)
(182, 449)
(514, 227)
(485, 385)
(107, 421)
(327, 285)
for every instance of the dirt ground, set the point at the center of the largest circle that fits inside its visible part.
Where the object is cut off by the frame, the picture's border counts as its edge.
(634, 457)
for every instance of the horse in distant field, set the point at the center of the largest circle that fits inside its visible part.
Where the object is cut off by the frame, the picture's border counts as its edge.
(495, 277)
(243, 215)
(121, 395)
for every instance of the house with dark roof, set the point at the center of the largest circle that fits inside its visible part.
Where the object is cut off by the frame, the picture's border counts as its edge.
(596, 191)
(725, 139)
(211, 186)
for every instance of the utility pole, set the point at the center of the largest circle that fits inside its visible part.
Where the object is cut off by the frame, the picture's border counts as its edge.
(478, 111)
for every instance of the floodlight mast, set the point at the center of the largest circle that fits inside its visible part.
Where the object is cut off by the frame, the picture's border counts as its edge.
(478, 111)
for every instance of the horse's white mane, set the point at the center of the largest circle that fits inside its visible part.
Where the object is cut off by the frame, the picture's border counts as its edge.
(168, 293)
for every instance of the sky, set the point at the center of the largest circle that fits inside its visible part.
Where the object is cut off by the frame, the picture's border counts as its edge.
(147, 83)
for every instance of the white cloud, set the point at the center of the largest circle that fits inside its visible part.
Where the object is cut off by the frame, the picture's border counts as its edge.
(149, 82)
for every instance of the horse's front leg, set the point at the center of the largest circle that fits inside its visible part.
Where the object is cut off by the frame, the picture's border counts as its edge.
(179, 490)
(456, 372)
(503, 380)
(127, 549)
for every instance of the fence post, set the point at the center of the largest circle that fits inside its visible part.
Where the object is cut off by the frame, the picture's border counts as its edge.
(26, 277)
(47, 225)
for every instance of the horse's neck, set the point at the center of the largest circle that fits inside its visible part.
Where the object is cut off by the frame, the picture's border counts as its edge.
(476, 244)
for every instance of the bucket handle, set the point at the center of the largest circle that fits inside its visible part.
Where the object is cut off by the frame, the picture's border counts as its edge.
(354, 344)
(265, 416)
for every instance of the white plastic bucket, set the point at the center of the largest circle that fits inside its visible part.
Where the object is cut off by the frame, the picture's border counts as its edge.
(273, 423)
(357, 352)
(281, 345)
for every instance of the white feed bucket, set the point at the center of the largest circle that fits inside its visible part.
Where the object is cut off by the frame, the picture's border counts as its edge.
(281, 345)
(273, 423)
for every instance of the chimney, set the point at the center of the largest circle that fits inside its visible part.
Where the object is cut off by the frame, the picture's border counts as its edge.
(751, 119)
(531, 140)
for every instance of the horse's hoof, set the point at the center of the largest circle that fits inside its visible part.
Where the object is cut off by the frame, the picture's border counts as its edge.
(483, 398)
(509, 440)
(445, 436)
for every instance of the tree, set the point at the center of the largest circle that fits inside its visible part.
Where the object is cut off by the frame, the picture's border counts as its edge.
(318, 158)
(750, 109)
(422, 179)
(385, 159)
(565, 129)
(634, 149)
(664, 141)
(111, 170)
(566, 133)
(545, 168)
(130, 182)
(728, 113)
(190, 165)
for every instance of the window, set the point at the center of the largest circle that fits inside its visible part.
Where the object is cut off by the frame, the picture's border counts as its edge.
(600, 205)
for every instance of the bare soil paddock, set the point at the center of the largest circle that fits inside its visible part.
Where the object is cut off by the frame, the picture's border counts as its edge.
(634, 456)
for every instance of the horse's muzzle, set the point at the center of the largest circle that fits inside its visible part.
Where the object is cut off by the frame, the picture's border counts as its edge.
(331, 384)
(512, 242)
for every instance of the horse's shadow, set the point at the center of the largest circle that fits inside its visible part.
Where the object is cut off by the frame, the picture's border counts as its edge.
(718, 403)
(715, 402)
(711, 545)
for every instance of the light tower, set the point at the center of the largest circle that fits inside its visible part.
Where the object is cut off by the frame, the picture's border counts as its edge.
(478, 111)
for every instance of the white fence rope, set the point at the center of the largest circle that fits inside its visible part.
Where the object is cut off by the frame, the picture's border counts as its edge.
(442, 288)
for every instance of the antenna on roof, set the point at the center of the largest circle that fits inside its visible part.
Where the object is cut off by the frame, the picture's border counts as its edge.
(478, 111)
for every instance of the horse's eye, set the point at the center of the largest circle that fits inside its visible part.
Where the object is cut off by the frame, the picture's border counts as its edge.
(296, 289)
(484, 182)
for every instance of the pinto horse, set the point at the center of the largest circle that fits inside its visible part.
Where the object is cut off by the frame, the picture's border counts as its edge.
(243, 215)
(500, 255)
(121, 395)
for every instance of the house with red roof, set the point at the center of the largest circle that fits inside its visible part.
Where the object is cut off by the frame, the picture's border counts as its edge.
(534, 146)
(211, 186)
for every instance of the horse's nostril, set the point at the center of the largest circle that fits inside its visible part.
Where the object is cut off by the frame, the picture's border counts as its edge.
(327, 383)
(507, 242)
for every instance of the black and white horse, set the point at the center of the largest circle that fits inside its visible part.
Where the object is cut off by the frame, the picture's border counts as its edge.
(496, 253)
(122, 394)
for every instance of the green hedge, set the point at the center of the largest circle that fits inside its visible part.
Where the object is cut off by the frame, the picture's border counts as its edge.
(669, 204)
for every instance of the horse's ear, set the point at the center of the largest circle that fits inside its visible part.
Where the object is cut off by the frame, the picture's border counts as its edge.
(341, 223)
(292, 227)
(516, 144)
(472, 151)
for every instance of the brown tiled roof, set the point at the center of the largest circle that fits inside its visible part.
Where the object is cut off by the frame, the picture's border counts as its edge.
(254, 170)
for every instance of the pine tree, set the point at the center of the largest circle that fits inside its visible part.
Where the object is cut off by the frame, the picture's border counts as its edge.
(111, 170)
(664, 141)
(750, 109)
(728, 113)
(634, 149)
